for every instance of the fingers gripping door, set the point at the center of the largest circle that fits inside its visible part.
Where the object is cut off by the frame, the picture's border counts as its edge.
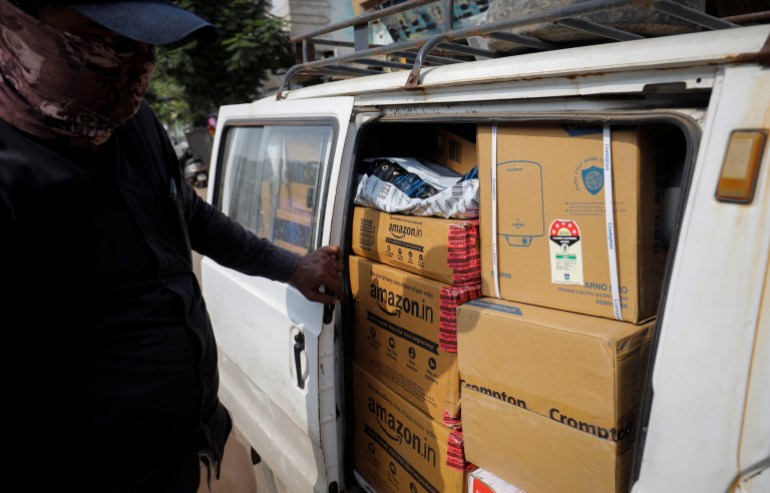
(275, 169)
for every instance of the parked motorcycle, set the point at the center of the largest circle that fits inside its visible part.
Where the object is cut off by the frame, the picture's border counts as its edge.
(195, 163)
(195, 170)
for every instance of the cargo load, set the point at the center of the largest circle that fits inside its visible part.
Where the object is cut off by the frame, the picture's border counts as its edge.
(419, 187)
(445, 250)
(482, 481)
(397, 448)
(550, 398)
(450, 149)
(405, 334)
(571, 218)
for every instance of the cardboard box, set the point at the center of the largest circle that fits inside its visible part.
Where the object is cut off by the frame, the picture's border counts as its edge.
(397, 448)
(292, 230)
(533, 379)
(538, 454)
(405, 334)
(297, 196)
(552, 228)
(582, 371)
(445, 250)
(482, 481)
(451, 150)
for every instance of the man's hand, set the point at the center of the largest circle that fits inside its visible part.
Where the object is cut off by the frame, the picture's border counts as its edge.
(317, 270)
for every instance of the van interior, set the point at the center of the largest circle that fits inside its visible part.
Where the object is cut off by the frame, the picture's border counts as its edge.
(675, 146)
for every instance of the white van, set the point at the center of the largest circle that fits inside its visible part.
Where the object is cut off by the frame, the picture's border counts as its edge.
(285, 362)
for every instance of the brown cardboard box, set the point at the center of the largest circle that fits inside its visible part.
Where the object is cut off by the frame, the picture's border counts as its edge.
(445, 250)
(451, 150)
(583, 371)
(405, 334)
(540, 455)
(299, 196)
(397, 448)
(533, 379)
(552, 247)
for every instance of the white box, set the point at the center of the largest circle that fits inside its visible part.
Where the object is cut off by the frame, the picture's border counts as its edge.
(482, 481)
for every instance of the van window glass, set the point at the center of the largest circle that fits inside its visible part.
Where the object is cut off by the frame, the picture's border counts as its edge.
(269, 179)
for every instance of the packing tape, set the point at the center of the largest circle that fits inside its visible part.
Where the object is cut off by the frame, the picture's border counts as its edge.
(493, 172)
(609, 215)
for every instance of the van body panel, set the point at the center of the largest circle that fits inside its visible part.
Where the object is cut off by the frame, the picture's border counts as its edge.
(755, 439)
(754, 458)
(711, 316)
(277, 357)
(756, 483)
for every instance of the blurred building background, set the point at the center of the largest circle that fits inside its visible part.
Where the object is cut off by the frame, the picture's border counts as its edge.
(307, 16)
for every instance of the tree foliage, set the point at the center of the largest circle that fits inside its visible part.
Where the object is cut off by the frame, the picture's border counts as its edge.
(191, 81)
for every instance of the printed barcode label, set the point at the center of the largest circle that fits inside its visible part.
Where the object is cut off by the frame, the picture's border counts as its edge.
(457, 190)
(367, 234)
(455, 150)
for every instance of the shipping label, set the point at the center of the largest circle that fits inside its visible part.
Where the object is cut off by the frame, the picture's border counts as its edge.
(566, 252)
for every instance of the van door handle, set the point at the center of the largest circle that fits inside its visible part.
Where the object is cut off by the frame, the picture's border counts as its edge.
(328, 310)
(299, 346)
(328, 314)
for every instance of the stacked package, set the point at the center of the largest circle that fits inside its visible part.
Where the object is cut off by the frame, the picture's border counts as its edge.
(553, 358)
(409, 275)
(550, 398)
(571, 218)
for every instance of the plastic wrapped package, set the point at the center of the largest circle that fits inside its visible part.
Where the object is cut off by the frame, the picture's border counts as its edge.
(406, 185)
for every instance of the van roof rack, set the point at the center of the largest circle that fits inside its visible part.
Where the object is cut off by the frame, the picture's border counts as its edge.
(449, 45)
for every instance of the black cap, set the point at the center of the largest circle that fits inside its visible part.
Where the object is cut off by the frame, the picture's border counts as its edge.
(155, 22)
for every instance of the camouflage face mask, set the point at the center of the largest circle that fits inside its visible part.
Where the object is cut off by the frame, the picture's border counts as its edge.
(56, 83)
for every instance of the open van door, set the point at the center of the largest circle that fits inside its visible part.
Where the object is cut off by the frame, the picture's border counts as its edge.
(275, 171)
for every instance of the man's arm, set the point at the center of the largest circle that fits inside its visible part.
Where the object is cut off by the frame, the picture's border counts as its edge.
(213, 234)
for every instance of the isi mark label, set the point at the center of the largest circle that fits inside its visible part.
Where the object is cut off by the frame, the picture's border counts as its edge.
(566, 252)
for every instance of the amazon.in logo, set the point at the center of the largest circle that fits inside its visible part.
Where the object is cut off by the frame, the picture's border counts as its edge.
(400, 231)
(400, 432)
(394, 304)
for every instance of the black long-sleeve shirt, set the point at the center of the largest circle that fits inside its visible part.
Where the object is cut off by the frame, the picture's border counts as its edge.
(100, 297)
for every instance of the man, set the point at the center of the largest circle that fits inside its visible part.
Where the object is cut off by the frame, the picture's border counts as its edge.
(114, 383)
